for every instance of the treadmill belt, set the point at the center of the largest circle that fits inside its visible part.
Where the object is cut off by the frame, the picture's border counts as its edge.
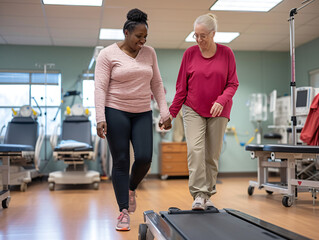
(220, 226)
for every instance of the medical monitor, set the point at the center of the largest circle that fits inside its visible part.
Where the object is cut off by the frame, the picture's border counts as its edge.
(304, 97)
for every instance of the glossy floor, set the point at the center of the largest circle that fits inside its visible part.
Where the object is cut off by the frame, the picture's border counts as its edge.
(79, 212)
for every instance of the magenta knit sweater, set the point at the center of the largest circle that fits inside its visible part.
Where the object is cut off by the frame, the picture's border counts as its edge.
(126, 83)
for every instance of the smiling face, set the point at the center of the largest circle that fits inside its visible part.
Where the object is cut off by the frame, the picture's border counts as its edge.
(204, 37)
(137, 38)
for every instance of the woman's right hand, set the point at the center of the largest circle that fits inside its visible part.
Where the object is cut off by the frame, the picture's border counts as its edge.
(101, 129)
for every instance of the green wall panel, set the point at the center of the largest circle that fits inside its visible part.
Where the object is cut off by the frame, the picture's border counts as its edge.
(258, 72)
(307, 60)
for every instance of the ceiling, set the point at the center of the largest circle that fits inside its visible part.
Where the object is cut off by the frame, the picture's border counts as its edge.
(29, 22)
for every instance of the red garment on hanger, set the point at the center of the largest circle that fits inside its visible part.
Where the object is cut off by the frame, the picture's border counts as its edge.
(310, 132)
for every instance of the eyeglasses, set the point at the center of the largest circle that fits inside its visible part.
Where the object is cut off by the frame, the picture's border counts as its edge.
(201, 36)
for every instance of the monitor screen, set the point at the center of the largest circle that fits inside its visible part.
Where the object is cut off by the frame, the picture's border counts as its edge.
(302, 98)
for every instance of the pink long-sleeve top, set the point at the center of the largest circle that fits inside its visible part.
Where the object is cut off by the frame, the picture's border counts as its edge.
(203, 81)
(126, 83)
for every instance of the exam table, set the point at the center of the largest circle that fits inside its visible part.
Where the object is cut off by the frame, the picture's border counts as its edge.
(76, 149)
(283, 157)
(23, 130)
(7, 151)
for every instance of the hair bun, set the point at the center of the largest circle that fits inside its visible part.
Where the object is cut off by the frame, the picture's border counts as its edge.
(213, 16)
(136, 15)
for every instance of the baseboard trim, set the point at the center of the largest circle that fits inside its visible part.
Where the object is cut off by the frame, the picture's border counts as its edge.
(220, 175)
(236, 174)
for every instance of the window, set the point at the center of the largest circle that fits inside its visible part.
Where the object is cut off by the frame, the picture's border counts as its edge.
(14, 95)
(42, 92)
(88, 101)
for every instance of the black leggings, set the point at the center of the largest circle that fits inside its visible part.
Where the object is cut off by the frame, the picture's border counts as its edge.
(123, 127)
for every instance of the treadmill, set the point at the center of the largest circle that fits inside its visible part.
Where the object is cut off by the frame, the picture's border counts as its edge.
(223, 224)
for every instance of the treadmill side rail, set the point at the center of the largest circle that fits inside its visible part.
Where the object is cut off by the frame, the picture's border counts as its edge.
(160, 229)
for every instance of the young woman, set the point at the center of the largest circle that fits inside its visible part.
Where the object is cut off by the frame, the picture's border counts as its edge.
(126, 75)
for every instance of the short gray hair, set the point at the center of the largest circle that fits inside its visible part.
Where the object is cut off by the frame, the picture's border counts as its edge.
(209, 20)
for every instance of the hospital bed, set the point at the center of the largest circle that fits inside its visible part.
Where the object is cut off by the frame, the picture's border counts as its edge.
(212, 223)
(22, 131)
(74, 149)
(284, 157)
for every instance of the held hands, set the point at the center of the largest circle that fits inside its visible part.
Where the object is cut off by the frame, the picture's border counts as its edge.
(101, 129)
(216, 109)
(167, 124)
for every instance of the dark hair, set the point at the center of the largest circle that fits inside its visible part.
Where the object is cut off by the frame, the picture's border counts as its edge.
(134, 17)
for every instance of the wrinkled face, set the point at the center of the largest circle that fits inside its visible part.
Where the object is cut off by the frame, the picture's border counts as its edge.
(137, 38)
(204, 37)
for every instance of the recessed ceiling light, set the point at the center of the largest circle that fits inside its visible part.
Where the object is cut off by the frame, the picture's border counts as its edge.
(220, 37)
(111, 34)
(96, 3)
(245, 5)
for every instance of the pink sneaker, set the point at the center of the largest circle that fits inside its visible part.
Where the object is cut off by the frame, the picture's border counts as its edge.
(123, 221)
(132, 202)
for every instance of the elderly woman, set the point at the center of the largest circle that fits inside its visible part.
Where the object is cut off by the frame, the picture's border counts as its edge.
(206, 84)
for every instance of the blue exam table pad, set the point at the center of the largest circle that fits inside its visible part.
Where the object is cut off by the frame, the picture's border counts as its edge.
(15, 148)
(254, 147)
(283, 148)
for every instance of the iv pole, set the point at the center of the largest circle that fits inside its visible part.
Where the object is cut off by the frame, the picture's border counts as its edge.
(291, 20)
(45, 66)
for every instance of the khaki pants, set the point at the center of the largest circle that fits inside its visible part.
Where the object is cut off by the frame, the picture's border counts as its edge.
(204, 138)
(178, 128)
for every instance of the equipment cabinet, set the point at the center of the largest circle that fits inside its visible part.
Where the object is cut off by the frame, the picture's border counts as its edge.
(173, 159)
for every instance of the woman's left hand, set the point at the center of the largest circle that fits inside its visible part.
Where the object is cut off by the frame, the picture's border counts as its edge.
(167, 124)
(216, 109)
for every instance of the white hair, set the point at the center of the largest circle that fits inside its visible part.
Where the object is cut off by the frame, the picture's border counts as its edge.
(209, 20)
